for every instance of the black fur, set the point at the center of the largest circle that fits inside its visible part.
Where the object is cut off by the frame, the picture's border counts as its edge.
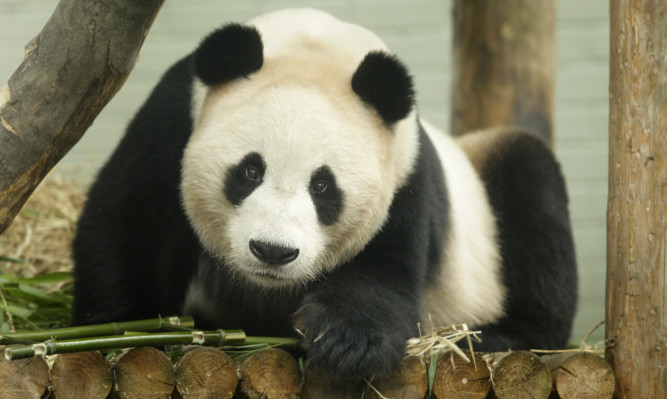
(528, 196)
(356, 322)
(328, 202)
(231, 52)
(134, 249)
(238, 184)
(382, 81)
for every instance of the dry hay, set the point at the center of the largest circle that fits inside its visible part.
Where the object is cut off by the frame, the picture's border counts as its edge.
(442, 340)
(42, 232)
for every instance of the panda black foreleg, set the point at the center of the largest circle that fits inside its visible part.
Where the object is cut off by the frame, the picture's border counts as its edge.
(356, 324)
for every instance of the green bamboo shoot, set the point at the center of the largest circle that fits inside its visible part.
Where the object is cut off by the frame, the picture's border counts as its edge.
(95, 330)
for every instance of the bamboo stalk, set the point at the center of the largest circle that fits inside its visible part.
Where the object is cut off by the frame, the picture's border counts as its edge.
(282, 342)
(52, 347)
(159, 324)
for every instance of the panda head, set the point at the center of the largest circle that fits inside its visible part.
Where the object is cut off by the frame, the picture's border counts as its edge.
(304, 129)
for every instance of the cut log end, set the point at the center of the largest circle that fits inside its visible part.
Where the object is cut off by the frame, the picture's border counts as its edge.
(206, 373)
(321, 384)
(408, 382)
(143, 373)
(81, 375)
(271, 374)
(581, 375)
(456, 378)
(23, 378)
(521, 375)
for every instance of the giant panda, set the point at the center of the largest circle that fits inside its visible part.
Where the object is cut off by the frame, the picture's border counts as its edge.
(279, 180)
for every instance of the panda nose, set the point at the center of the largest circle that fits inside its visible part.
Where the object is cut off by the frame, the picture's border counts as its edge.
(275, 255)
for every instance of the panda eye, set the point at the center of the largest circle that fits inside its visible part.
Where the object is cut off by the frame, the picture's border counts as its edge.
(252, 173)
(319, 187)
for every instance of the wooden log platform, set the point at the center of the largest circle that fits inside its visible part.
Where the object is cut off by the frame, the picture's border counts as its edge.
(276, 374)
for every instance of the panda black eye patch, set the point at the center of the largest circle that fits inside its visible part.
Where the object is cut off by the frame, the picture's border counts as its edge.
(326, 195)
(244, 177)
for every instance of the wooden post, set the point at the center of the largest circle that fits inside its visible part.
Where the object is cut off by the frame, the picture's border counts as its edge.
(503, 65)
(636, 305)
(71, 70)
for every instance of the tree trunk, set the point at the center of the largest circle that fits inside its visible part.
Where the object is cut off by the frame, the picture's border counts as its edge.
(503, 66)
(70, 71)
(636, 306)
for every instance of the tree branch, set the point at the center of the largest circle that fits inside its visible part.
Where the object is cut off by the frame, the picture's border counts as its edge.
(71, 70)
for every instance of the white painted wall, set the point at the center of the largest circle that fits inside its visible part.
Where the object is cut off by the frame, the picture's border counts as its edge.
(419, 31)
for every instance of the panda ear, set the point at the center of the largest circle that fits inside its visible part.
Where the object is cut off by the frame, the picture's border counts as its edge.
(382, 81)
(230, 52)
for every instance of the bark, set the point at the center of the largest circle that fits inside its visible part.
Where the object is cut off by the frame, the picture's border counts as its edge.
(503, 65)
(71, 70)
(636, 305)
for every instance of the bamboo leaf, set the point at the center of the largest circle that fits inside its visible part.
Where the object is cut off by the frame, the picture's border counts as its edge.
(39, 295)
(5, 258)
(51, 278)
(432, 369)
(18, 310)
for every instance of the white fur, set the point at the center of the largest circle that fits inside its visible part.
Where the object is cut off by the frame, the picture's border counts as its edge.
(300, 113)
(470, 288)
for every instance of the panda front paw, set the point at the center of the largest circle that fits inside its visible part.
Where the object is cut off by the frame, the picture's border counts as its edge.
(346, 345)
